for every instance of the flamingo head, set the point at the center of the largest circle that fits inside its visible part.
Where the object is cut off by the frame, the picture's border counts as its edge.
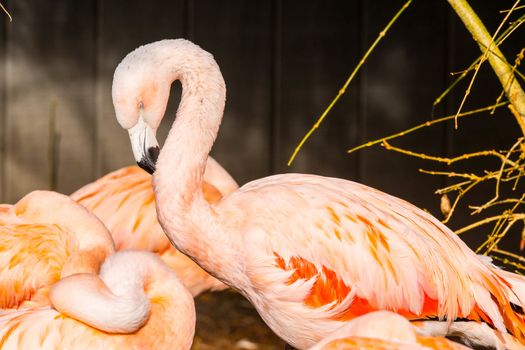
(140, 95)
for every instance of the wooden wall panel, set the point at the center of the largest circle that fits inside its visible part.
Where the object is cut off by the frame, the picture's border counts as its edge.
(239, 35)
(123, 26)
(4, 24)
(49, 58)
(283, 62)
(320, 47)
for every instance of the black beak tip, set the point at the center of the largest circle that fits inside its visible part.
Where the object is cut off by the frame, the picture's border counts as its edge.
(148, 162)
(144, 164)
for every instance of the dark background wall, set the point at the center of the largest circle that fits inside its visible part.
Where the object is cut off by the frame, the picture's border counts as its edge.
(283, 61)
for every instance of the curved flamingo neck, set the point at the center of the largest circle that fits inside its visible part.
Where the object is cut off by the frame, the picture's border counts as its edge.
(182, 160)
(135, 292)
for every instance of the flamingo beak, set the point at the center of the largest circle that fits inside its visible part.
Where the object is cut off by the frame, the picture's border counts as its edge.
(145, 146)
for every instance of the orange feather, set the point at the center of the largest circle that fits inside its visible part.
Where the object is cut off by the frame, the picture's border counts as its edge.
(44, 237)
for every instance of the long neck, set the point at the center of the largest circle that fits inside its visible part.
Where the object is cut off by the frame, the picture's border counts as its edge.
(181, 208)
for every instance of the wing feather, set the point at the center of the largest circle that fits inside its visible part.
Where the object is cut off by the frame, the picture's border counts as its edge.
(31, 257)
(363, 249)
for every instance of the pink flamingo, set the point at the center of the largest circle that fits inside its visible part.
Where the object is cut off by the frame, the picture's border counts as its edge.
(124, 201)
(44, 237)
(382, 330)
(309, 252)
(136, 302)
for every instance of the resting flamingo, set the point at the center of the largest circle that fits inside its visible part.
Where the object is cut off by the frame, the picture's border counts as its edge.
(136, 296)
(382, 330)
(43, 237)
(309, 252)
(123, 200)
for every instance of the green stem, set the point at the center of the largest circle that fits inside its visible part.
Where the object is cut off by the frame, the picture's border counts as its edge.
(499, 64)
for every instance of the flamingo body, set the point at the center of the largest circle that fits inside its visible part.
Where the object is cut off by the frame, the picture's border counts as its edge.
(309, 252)
(382, 330)
(124, 201)
(167, 320)
(43, 237)
(323, 251)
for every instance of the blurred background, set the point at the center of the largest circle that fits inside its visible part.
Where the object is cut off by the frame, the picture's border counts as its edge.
(283, 61)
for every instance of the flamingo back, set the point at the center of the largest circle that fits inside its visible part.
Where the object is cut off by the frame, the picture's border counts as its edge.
(43, 237)
(359, 343)
(46, 329)
(170, 324)
(32, 257)
(328, 250)
(382, 330)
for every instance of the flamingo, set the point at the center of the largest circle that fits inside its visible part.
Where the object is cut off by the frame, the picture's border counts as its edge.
(382, 330)
(43, 237)
(124, 201)
(309, 252)
(136, 302)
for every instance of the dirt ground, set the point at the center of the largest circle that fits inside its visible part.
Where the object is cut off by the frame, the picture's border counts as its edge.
(225, 320)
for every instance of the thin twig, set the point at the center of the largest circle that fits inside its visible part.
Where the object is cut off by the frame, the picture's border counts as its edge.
(498, 178)
(503, 201)
(513, 9)
(497, 238)
(464, 73)
(454, 187)
(350, 78)
(488, 220)
(471, 177)
(514, 92)
(487, 49)
(448, 161)
(460, 195)
(425, 124)
(506, 261)
(6, 12)
(497, 234)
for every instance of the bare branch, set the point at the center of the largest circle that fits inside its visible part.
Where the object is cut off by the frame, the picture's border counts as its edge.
(472, 22)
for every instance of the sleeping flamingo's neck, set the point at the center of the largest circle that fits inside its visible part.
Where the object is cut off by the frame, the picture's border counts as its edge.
(182, 161)
(134, 293)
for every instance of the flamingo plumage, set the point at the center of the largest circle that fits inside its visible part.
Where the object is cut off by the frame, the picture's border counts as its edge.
(382, 330)
(43, 237)
(136, 302)
(309, 252)
(124, 201)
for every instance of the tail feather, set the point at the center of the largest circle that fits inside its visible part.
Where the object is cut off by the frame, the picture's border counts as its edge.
(517, 286)
(472, 334)
(513, 306)
(512, 302)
